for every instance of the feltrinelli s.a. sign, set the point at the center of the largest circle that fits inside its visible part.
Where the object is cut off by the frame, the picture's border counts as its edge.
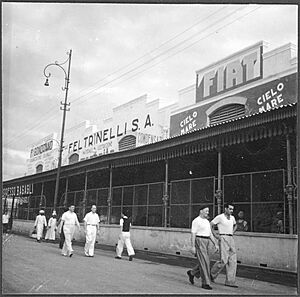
(230, 73)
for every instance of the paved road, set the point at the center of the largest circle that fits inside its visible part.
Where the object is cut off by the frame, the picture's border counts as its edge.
(31, 267)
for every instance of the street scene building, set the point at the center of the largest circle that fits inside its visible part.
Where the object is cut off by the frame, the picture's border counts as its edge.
(231, 137)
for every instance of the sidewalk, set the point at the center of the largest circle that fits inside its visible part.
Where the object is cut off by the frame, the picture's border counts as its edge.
(31, 267)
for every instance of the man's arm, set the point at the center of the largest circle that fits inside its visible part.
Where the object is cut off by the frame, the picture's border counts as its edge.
(213, 231)
(234, 228)
(193, 239)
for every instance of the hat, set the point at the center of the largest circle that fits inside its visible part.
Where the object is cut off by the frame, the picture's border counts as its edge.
(54, 213)
(203, 206)
(41, 211)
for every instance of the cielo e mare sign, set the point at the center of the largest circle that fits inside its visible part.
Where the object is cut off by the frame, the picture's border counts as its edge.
(229, 73)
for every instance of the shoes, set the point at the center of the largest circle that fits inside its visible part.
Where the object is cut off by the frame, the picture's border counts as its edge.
(233, 286)
(206, 287)
(70, 255)
(118, 257)
(130, 258)
(191, 277)
(64, 255)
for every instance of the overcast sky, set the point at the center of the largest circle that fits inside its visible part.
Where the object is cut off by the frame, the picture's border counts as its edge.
(120, 52)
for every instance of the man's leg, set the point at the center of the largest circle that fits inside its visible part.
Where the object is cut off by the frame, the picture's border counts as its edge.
(129, 246)
(219, 265)
(231, 265)
(92, 240)
(202, 256)
(120, 246)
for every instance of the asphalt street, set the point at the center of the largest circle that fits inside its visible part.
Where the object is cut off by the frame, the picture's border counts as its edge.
(39, 268)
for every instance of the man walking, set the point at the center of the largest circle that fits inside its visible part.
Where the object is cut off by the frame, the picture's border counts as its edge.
(68, 220)
(227, 226)
(40, 223)
(5, 221)
(91, 227)
(50, 234)
(125, 223)
(201, 236)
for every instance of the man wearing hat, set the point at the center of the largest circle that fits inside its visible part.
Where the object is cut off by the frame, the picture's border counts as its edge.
(201, 236)
(51, 227)
(124, 237)
(39, 224)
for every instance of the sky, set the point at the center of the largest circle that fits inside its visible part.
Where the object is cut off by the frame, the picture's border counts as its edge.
(119, 52)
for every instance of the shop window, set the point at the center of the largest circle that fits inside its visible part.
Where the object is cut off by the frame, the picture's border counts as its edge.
(203, 190)
(179, 216)
(139, 215)
(117, 196)
(237, 188)
(102, 196)
(91, 198)
(155, 216)
(180, 192)
(127, 142)
(226, 113)
(39, 168)
(140, 195)
(156, 193)
(128, 196)
(74, 158)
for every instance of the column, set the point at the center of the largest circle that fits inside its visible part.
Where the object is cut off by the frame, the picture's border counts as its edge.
(66, 192)
(84, 194)
(219, 193)
(289, 189)
(109, 199)
(42, 194)
(166, 194)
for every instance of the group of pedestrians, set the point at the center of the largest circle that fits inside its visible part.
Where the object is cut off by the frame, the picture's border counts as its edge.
(66, 227)
(202, 235)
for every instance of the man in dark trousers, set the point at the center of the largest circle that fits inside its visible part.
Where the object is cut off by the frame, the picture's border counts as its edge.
(201, 238)
(124, 237)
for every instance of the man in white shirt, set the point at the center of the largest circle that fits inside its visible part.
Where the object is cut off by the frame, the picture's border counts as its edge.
(201, 237)
(227, 226)
(91, 227)
(69, 220)
(5, 221)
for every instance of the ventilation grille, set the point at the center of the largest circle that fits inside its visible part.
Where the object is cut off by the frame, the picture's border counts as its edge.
(127, 142)
(227, 113)
(73, 158)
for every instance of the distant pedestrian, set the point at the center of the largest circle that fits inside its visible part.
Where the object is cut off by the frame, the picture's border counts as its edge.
(5, 220)
(124, 237)
(241, 223)
(91, 228)
(201, 237)
(68, 223)
(227, 226)
(40, 223)
(50, 234)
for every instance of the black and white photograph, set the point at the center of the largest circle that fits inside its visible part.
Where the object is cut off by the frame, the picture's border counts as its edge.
(150, 148)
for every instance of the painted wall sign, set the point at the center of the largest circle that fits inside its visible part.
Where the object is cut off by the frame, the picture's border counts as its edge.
(229, 73)
(38, 150)
(261, 98)
(18, 190)
(109, 134)
(146, 138)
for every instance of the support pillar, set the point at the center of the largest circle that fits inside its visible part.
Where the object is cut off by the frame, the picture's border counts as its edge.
(42, 194)
(66, 192)
(219, 193)
(84, 194)
(109, 199)
(166, 194)
(289, 189)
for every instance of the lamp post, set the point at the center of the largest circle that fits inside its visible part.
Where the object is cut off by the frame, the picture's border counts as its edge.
(64, 108)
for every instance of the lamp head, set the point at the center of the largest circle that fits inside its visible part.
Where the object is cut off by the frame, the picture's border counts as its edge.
(46, 83)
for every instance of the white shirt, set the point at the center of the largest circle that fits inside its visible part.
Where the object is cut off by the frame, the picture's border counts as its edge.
(201, 227)
(91, 218)
(5, 218)
(70, 218)
(225, 226)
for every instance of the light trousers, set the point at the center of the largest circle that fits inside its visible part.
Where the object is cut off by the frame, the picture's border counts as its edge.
(202, 268)
(39, 231)
(228, 259)
(90, 238)
(124, 238)
(69, 231)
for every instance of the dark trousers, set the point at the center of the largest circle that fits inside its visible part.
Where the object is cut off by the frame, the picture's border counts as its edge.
(62, 239)
(5, 227)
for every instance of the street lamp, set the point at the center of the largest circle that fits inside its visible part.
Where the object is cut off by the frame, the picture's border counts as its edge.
(64, 108)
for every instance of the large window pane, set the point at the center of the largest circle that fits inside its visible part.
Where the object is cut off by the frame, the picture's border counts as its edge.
(139, 215)
(237, 188)
(70, 198)
(180, 192)
(91, 198)
(140, 195)
(267, 217)
(268, 186)
(115, 215)
(116, 196)
(102, 197)
(128, 196)
(203, 190)
(102, 212)
(155, 193)
(155, 216)
(79, 198)
(179, 216)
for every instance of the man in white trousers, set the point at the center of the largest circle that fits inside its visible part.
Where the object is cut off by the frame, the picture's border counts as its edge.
(69, 221)
(124, 237)
(39, 224)
(91, 228)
